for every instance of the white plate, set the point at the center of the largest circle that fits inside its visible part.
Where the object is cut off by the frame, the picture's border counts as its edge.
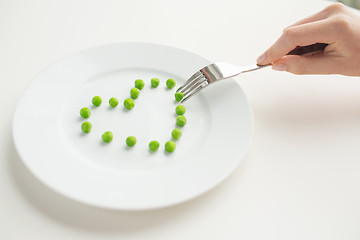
(47, 133)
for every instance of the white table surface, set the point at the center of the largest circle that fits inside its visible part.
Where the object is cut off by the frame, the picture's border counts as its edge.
(301, 177)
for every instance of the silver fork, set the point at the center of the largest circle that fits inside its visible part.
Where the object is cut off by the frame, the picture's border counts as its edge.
(219, 71)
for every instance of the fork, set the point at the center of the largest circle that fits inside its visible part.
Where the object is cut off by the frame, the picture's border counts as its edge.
(219, 71)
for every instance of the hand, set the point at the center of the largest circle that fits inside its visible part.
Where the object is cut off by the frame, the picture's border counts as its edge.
(336, 25)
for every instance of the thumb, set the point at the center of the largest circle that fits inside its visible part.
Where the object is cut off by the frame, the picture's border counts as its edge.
(311, 64)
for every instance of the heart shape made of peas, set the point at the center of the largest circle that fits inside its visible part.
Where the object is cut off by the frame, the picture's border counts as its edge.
(129, 103)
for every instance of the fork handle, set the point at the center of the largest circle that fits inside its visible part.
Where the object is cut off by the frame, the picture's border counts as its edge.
(308, 50)
(301, 51)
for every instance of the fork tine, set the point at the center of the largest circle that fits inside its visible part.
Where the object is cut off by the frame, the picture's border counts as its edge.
(189, 81)
(194, 84)
(194, 90)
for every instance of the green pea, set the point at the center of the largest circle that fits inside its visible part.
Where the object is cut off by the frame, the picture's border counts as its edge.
(170, 146)
(113, 102)
(155, 82)
(86, 127)
(154, 146)
(134, 93)
(85, 112)
(181, 121)
(139, 84)
(130, 141)
(129, 103)
(170, 83)
(180, 110)
(96, 101)
(179, 96)
(107, 136)
(176, 134)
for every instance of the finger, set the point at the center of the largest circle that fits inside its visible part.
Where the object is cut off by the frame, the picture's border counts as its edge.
(323, 14)
(313, 18)
(303, 35)
(313, 64)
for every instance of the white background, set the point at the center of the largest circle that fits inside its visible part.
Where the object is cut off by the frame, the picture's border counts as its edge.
(301, 177)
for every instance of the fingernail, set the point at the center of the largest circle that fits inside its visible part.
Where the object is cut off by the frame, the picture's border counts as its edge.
(261, 58)
(279, 67)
